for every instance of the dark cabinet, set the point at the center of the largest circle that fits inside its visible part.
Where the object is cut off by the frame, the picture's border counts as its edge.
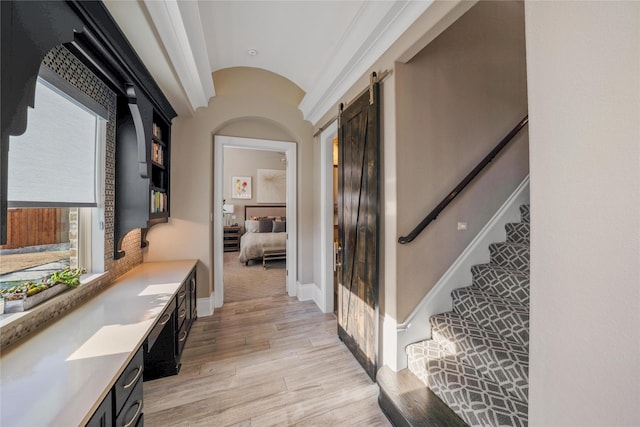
(131, 410)
(163, 346)
(231, 238)
(103, 417)
(142, 167)
(122, 407)
(192, 312)
(160, 346)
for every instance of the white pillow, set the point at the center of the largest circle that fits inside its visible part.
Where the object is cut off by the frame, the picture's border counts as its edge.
(251, 226)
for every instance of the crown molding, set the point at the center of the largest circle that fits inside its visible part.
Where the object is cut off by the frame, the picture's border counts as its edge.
(358, 50)
(179, 27)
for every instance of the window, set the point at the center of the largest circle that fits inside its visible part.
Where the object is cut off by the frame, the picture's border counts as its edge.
(55, 186)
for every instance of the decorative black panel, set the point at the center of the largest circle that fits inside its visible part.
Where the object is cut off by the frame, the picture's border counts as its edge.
(30, 29)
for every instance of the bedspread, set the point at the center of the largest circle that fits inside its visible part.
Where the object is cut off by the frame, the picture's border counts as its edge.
(252, 245)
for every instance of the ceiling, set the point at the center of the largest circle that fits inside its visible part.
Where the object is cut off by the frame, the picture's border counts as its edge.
(321, 46)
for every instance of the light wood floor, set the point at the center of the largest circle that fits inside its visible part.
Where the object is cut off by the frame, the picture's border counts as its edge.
(270, 361)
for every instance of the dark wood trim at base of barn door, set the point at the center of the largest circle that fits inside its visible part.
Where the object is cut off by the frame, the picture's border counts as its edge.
(367, 365)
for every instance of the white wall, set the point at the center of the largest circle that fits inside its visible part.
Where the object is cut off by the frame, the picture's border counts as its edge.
(583, 61)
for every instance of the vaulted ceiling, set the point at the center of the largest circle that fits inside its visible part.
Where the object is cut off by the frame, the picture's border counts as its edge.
(322, 46)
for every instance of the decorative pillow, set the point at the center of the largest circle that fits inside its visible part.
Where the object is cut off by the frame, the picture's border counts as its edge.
(251, 226)
(279, 226)
(265, 225)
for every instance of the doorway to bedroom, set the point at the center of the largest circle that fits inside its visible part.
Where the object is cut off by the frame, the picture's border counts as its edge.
(254, 215)
(254, 208)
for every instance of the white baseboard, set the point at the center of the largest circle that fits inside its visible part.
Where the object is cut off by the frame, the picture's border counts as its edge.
(305, 292)
(309, 292)
(416, 327)
(205, 306)
(390, 334)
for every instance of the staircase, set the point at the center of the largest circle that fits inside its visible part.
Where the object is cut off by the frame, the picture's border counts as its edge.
(477, 360)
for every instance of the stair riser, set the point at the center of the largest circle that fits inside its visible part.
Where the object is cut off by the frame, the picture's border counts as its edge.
(518, 233)
(507, 322)
(504, 284)
(515, 257)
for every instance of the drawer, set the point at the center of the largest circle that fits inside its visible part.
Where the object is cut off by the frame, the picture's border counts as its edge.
(128, 380)
(132, 409)
(162, 322)
(181, 338)
(182, 293)
(182, 313)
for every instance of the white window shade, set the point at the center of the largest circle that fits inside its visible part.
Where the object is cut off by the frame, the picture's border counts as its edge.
(54, 162)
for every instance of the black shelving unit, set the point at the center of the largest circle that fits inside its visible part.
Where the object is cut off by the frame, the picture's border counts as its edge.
(142, 169)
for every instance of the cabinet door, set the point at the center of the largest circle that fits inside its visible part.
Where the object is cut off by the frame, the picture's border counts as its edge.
(192, 286)
(103, 417)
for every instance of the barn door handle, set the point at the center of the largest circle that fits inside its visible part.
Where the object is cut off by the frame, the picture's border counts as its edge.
(336, 253)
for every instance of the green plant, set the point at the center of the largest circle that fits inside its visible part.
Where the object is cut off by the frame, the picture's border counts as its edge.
(68, 276)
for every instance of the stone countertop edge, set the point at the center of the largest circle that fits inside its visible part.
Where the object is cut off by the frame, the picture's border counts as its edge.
(68, 367)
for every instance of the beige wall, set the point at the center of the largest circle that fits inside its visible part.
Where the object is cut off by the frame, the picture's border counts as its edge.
(455, 100)
(188, 233)
(584, 96)
(243, 162)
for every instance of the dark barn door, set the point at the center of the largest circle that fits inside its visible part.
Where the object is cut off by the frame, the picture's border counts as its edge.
(358, 211)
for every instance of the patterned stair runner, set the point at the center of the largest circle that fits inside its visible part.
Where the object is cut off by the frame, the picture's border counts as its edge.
(477, 360)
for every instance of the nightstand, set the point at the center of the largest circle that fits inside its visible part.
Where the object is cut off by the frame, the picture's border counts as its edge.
(231, 238)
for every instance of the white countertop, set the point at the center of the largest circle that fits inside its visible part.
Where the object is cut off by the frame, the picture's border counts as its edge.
(60, 375)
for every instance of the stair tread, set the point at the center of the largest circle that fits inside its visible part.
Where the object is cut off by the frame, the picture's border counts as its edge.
(490, 297)
(517, 245)
(406, 401)
(477, 400)
(500, 268)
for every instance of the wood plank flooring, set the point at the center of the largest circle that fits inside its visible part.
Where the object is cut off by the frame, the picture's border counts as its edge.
(272, 361)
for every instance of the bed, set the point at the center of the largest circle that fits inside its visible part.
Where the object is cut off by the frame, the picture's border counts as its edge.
(265, 230)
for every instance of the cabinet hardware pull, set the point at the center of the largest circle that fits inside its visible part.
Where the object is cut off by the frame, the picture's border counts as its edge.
(183, 313)
(184, 336)
(164, 322)
(182, 294)
(139, 403)
(193, 284)
(133, 381)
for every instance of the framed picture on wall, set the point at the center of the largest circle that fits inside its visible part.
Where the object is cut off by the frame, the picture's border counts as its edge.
(241, 187)
(271, 186)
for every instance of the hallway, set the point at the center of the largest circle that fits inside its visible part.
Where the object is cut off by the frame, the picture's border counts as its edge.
(262, 362)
